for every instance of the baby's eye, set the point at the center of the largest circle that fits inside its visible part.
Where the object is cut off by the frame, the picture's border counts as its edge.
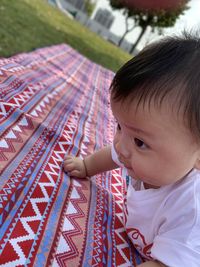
(118, 127)
(139, 143)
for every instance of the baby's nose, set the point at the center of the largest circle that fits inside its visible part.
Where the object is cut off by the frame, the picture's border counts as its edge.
(123, 150)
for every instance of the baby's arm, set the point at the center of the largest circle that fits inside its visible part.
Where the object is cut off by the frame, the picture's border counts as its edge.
(98, 162)
(152, 264)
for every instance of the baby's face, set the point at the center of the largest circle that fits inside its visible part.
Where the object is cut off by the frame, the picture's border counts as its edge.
(153, 143)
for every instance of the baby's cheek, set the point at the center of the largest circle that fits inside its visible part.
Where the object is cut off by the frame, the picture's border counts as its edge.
(116, 139)
(139, 167)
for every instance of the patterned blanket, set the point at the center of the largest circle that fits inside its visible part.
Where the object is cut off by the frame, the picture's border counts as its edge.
(54, 101)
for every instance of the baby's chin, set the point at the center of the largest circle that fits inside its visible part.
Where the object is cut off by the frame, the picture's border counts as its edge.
(147, 184)
(132, 174)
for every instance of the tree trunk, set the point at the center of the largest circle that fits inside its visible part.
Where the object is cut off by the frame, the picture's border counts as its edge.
(127, 29)
(138, 39)
(122, 38)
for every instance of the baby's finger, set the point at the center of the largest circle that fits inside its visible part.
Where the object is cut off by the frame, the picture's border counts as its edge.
(68, 161)
(68, 157)
(68, 166)
(76, 173)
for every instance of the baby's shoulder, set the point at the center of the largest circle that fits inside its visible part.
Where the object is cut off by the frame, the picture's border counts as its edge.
(188, 187)
(184, 196)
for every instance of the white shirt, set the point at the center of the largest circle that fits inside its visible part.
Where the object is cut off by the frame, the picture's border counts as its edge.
(164, 223)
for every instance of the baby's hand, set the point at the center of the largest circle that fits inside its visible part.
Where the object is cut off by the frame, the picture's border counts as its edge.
(74, 166)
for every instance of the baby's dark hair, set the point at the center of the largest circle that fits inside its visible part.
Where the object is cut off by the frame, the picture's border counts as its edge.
(170, 67)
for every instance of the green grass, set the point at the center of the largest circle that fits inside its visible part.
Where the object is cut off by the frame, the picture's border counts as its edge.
(29, 24)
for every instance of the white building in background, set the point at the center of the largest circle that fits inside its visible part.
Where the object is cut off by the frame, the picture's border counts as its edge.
(100, 23)
(104, 17)
(78, 4)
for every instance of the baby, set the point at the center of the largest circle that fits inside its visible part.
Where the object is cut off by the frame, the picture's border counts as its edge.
(155, 98)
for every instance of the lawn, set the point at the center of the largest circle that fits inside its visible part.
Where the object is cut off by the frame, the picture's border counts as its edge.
(30, 24)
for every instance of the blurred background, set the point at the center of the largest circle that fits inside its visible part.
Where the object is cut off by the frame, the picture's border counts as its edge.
(109, 32)
(190, 19)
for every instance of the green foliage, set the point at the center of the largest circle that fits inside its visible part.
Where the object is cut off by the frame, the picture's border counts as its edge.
(30, 24)
(160, 18)
(155, 19)
(89, 6)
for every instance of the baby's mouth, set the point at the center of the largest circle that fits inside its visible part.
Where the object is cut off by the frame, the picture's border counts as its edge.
(126, 165)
